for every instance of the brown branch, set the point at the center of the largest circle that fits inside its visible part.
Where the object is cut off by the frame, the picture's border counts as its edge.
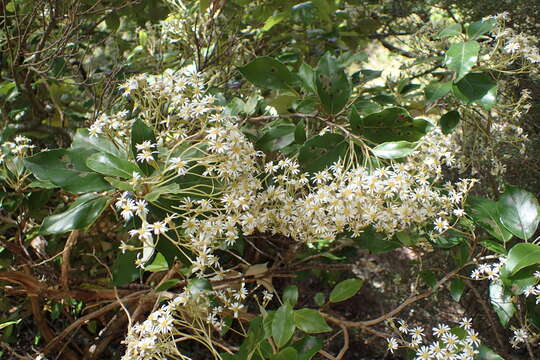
(64, 275)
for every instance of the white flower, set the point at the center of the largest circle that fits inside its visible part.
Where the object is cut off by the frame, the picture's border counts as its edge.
(440, 225)
(392, 344)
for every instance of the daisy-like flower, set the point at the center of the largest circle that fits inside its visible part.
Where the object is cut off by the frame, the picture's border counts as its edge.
(441, 330)
(472, 337)
(144, 233)
(417, 332)
(145, 156)
(440, 225)
(140, 208)
(423, 353)
(159, 227)
(466, 323)
(392, 345)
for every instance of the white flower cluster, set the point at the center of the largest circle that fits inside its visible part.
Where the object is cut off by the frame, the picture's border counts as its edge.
(20, 146)
(517, 44)
(489, 271)
(459, 343)
(192, 310)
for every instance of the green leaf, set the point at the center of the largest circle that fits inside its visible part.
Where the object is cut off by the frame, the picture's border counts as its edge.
(124, 269)
(108, 164)
(319, 299)
(158, 264)
(64, 168)
(9, 323)
(476, 88)
(307, 75)
(167, 284)
(300, 132)
(391, 124)
(273, 20)
(345, 289)
(289, 353)
(519, 212)
(332, 85)
(486, 353)
(479, 28)
(375, 242)
(461, 57)
(429, 278)
(501, 302)
(494, 246)
(307, 347)
(81, 214)
(120, 185)
(485, 213)
(437, 90)
(449, 121)
(522, 255)
(450, 30)
(82, 139)
(394, 149)
(278, 137)
(268, 73)
(290, 295)
(196, 286)
(310, 321)
(456, 289)
(321, 151)
(283, 325)
(140, 133)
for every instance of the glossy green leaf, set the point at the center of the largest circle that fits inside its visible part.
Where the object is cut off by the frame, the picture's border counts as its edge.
(479, 28)
(300, 132)
(277, 137)
(322, 151)
(519, 212)
(108, 164)
(82, 139)
(450, 30)
(158, 264)
(124, 269)
(167, 284)
(140, 132)
(486, 353)
(494, 246)
(394, 150)
(437, 90)
(310, 321)
(290, 295)
(449, 121)
(477, 88)
(66, 169)
(501, 302)
(307, 75)
(522, 255)
(283, 325)
(456, 289)
(81, 214)
(392, 124)
(345, 290)
(461, 57)
(485, 213)
(196, 286)
(268, 73)
(375, 242)
(288, 353)
(429, 278)
(332, 85)
(307, 347)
